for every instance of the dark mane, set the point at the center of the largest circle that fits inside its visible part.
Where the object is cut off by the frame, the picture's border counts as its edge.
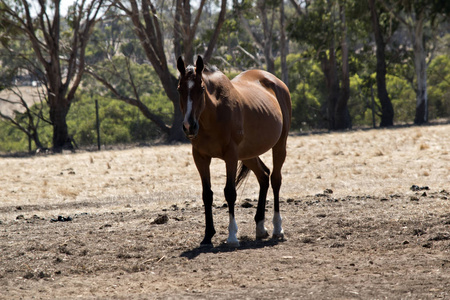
(211, 69)
(217, 83)
(190, 70)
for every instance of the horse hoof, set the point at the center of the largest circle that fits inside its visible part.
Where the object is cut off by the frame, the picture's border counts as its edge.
(206, 245)
(233, 244)
(278, 236)
(262, 235)
(261, 231)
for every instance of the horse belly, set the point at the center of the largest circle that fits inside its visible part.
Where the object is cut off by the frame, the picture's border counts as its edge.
(261, 132)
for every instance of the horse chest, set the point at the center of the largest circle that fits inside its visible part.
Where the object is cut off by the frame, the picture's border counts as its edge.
(218, 144)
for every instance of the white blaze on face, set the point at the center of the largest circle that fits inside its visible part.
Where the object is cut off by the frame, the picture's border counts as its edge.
(189, 105)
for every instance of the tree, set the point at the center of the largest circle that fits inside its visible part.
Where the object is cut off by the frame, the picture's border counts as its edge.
(323, 28)
(418, 16)
(116, 60)
(59, 61)
(341, 114)
(258, 20)
(149, 29)
(24, 117)
(387, 111)
(283, 45)
(117, 71)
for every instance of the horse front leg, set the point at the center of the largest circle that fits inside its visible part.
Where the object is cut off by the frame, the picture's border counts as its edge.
(230, 197)
(203, 164)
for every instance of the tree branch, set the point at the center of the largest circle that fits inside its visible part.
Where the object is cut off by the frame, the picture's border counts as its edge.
(215, 37)
(135, 102)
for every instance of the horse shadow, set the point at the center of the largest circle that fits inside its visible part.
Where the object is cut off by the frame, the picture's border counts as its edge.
(245, 244)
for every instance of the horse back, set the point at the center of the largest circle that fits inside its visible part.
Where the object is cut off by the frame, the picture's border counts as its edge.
(259, 87)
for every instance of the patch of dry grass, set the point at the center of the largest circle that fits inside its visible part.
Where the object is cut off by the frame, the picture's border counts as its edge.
(374, 162)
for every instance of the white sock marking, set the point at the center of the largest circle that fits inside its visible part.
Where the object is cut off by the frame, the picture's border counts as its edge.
(261, 231)
(277, 229)
(232, 232)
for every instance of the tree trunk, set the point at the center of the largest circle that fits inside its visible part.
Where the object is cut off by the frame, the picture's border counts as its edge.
(35, 137)
(176, 131)
(342, 118)
(329, 69)
(421, 72)
(283, 46)
(387, 111)
(267, 33)
(170, 84)
(58, 113)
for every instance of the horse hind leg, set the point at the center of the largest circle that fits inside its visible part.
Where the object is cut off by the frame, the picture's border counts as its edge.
(279, 156)
(262, 174)
(230, 196)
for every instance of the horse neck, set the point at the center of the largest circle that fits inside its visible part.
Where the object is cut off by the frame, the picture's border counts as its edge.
(217, 87)
(208, 114)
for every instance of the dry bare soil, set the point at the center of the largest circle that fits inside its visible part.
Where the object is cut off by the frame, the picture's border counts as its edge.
(366, 216)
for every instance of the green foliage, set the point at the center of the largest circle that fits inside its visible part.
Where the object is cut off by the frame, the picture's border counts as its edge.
(11, 138)
(306, 82)
(360, 102)
(119, 122)
(439, 87)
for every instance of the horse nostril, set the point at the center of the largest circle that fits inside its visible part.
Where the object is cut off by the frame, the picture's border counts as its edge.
(195, 127)
(186, 126)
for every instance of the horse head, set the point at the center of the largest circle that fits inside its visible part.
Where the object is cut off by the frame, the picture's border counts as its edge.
(192, 95)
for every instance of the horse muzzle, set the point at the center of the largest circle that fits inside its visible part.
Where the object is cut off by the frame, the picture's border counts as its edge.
(190, 129)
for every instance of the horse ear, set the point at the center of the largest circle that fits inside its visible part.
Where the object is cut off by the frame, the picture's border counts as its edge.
(180, 66)
(199, 65)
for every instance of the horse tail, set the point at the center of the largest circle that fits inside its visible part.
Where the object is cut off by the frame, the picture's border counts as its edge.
(242, 173)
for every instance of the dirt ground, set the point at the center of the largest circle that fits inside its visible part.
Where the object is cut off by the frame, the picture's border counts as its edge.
(366, 215)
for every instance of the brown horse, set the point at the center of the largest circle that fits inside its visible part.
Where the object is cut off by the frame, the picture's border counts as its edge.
(236, 120)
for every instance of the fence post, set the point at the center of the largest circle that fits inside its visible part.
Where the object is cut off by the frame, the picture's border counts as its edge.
(373, 106)
(98, 124)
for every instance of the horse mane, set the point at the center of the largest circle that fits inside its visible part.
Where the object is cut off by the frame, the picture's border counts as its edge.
(211, 69)
(217, 83)
(208, 69)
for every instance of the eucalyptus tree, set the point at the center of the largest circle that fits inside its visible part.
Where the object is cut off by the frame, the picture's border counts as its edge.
(258, 19)
(322, 27)
(24, 117)
(151, 28)
(387, 111)
(420, 18)
(58, 46)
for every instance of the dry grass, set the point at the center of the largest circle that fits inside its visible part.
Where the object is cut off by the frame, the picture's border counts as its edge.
(373, 162)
